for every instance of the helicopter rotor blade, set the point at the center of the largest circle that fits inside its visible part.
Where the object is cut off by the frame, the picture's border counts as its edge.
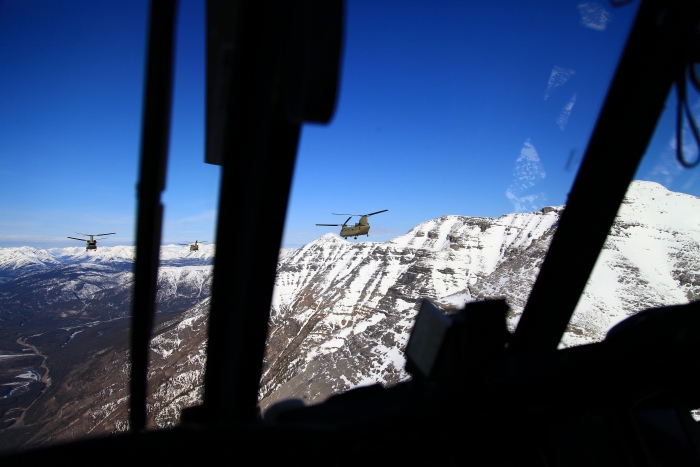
(370, 214)
(330, 225)
(87, 235)
(98, 235)
(346, 220)
(79, 239)
(384, 210)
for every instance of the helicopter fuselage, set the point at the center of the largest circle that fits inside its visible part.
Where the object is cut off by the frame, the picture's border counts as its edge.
(91, 245)
(360, 228)
(193, 246)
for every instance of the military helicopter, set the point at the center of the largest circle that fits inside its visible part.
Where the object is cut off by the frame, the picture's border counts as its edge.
(194, 246)
(360, 228)
(92, 241)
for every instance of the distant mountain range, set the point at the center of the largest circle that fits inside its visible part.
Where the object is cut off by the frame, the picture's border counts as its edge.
(64, 318)
(15, 262)
(84, 284)
(341, 312)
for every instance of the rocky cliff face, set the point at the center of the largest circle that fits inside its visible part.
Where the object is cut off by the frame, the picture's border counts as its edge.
(342, 312)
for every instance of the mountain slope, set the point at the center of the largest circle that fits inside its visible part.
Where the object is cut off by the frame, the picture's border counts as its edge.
(342, 312)
(89, 397)
(651, 258)
(75, 284)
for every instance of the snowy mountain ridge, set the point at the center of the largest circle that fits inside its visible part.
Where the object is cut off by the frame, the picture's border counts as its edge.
(342, 312)
(17, 261)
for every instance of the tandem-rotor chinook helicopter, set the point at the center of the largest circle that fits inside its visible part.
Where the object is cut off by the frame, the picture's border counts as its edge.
(360, 228)
(92, 241)
(194, 246)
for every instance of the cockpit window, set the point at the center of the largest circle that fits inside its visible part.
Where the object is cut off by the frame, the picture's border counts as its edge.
(458, 132)
(71, 107)
(468, 122)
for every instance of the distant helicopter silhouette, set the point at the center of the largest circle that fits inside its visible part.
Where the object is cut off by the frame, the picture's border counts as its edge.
(194, 246)
(360, 228)
(92, 241)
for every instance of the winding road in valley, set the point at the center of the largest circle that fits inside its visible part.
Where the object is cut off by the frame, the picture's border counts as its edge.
(45, 378)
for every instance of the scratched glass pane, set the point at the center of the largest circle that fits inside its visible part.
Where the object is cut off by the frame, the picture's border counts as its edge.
(466, 122)
(71, 96)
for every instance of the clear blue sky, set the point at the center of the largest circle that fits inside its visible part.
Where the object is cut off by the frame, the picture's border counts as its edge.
(472, 108)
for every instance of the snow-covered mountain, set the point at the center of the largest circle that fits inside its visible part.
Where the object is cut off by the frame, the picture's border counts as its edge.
(72, 283)
(651, 258)
(342, 312)
(15, 262)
